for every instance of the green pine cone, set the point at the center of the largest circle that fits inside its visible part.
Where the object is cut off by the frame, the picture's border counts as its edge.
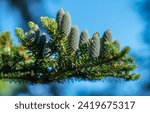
(74, 38)
(84, 37)
(94, 49)
(59, 16)
(65, 24)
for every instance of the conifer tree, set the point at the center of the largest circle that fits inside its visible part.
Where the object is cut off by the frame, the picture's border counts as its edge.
(62, 54)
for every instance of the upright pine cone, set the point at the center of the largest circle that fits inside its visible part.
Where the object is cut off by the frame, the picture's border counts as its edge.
(84, 37)
(94, 46)
(107, 36)
(74, 38)
(59, 16)
(41, 44)
(65, 24)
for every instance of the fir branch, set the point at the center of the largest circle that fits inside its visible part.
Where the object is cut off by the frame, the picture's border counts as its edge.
(68, 54)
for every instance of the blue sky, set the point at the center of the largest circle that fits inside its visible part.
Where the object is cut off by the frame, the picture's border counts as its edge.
(95, 16)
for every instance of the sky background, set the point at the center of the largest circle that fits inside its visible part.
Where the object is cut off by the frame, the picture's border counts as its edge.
(119, 16)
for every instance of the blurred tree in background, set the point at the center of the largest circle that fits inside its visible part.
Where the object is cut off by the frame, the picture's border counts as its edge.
(143, 8)
(28, 11)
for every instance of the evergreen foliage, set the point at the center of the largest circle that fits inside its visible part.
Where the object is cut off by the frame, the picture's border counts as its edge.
(68, 54)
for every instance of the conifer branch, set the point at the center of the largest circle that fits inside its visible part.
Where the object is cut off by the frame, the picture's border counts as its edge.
(68, 54)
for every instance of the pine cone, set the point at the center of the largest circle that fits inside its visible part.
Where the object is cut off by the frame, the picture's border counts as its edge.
(74, 38)
(94, 46)
(107, 36)
(84, 37)
(41, 43)
(59, 16)
(65, 24)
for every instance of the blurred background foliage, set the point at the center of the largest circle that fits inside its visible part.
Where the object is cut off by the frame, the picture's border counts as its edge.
(143, 8)
(129, 20)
